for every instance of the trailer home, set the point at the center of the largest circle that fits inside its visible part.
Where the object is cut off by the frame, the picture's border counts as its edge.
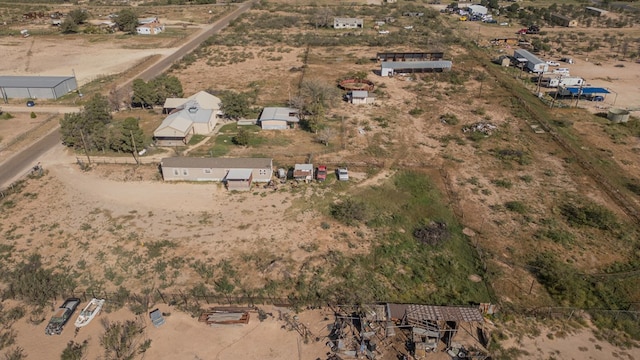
(534, 64)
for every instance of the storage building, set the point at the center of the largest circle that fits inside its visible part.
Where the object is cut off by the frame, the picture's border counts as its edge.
(36, 87)
(389, 68)
(533, 63)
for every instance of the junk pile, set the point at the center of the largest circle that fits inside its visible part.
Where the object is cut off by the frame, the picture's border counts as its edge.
(359, 332)
(220, 316)
(481, 127)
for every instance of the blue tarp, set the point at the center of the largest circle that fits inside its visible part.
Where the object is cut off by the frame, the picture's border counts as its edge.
(588, 90)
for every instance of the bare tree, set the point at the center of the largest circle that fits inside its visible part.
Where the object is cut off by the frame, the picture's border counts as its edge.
(326, 135)
(322, 18)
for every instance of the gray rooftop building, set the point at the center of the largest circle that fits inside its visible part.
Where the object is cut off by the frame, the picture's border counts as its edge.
(36, 87)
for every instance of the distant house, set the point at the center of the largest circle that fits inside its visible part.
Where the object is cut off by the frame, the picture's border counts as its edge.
(303, 172)
(360, 97)
(149, 26)
(595, 11)
(389, 68)
(391, 1)
(278, 118)
(563, 20)
(239, 171)
(348, 23)
(413, 14)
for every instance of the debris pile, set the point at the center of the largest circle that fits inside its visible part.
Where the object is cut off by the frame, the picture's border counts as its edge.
(482, 127)
(433, 234)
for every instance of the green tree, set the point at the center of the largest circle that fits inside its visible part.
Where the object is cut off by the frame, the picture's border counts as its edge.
(166, 87)
(235, 105)
(68, 27)
(127, 21)
(89, 127)
(78, 16)
(128, 136)
(243, 137)
(156, 91)
(143, 94)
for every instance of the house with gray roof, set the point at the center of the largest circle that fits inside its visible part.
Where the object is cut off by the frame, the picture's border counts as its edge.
(240, 171)
(278, 118)
(197, 114)
(36, 87)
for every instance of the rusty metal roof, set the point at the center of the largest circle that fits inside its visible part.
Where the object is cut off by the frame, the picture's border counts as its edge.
(443, 313)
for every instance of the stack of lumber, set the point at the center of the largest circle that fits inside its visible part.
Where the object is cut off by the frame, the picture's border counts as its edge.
(224, 317)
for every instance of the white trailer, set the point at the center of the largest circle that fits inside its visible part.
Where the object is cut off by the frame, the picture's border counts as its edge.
(564, 81)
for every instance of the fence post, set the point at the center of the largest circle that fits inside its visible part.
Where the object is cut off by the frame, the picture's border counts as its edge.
(161, 296)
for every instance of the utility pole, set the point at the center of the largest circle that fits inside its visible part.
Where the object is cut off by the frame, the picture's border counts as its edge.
(84, 144)
(135, 149)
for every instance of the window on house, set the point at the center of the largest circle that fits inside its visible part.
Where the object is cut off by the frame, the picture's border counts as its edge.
(207, 171)
(176, 172)
(263, 172)
(185, 172)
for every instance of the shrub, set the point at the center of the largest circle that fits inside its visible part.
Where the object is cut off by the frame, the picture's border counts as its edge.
(433, 234)
(589, 214)
(516, 206)
(33, 115)
(349, 211)
(449, 119)
(503, 183)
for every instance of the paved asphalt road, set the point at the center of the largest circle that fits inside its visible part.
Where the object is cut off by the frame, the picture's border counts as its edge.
(20, 163)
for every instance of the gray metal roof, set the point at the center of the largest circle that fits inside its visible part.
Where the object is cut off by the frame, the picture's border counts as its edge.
(32, 81)
(419, 313)
(239, 174)
(359, 94)
(279, 113)
(217, 163)
(521, 53)
(441, 64)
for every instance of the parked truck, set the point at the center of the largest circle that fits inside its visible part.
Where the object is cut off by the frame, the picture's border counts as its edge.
(61, 316)
(563, 81)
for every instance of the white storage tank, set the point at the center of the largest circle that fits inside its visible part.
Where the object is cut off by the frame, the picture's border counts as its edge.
(618, 115)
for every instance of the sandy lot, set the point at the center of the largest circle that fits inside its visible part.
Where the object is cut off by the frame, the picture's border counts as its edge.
(183, 337)
(88, 57)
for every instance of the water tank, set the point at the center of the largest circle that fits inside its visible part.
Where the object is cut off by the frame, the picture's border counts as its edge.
(617, 115)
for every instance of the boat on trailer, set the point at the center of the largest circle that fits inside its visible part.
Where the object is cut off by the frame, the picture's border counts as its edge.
(89, 312)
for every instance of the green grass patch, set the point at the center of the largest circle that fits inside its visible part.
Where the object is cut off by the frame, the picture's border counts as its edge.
(196, 139)
(401, 268)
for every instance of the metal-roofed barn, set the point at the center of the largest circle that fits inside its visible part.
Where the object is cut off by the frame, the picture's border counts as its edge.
(36, 87)
(389, 68)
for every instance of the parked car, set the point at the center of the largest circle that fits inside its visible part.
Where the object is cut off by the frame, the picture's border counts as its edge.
(597, 98)
(553, 63)
(567, 60)
(321, 173)
(31, 103)
(61, 316)
(342, 174)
